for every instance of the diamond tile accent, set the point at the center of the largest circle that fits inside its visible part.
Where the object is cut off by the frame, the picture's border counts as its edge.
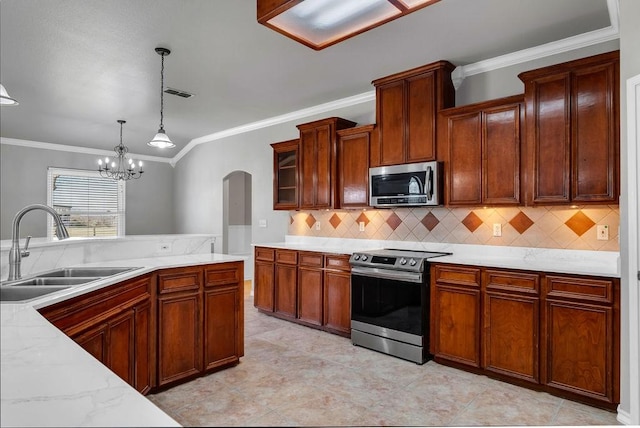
(335, 221)
(290, 220)
(472, 221)
(579, 223)
(394, 221)
(363, 217)
(521, 222)
(311, 220)
(430, 221)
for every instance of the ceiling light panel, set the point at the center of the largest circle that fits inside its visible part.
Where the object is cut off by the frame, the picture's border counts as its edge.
(322, 23)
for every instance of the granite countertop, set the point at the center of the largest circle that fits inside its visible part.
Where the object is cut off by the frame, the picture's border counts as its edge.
(49, 380)
(578, 262)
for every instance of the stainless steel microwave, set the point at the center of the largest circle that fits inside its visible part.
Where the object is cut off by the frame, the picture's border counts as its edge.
(414, 184)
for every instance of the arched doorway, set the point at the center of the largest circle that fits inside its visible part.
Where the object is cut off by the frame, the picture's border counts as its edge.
(236, 214)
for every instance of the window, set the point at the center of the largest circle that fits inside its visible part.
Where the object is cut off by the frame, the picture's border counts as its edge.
(89, 205)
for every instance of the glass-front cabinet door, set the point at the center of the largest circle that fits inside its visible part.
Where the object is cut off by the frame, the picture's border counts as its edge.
(285, 175)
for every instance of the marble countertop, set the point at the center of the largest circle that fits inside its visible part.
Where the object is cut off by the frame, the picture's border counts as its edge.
(578, 262)
(48, 380)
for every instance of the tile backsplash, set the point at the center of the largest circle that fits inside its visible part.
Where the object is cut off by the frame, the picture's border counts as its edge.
(538, 227)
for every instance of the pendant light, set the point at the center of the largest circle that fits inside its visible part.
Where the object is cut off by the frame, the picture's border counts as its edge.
(161, 140)
(5, 99)
(121, 168)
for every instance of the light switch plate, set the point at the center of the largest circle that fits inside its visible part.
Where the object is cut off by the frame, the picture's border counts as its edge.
(262, 222)
(602, 231)
(361, 226)
(317, 225)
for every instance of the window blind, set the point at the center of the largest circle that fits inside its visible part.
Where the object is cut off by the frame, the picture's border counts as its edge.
(88, 204)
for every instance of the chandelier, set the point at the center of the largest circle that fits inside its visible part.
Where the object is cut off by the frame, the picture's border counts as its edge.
(161, 139)
(121, 168)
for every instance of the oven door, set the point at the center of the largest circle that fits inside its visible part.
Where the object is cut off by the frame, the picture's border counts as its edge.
(390, 301)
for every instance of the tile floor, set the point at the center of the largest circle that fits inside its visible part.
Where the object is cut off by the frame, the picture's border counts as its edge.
(296, 376)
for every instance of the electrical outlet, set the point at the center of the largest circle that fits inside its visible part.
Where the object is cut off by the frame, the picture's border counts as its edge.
(262, 223)
(602, 231)
(497, 229)
(361, 226)
(317, 225)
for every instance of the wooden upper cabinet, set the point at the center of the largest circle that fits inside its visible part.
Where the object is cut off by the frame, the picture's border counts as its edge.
(285, 175)
(317, 181)
(482, 144)
(407, 105)
(353, 166)
(572, 131)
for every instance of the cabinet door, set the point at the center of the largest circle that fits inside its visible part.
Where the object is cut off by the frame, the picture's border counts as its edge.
(511, 324)
(337, 302)
(307, 174)
(511, 335)
(501, 155)
(285, 175)
(580, 349)
(263, 290)
(221, 317)
(285, 290)
(455, 314)
(179, 337)
(310, 295)
(595, 134)
(421, 118)
(465, 159)
(324, 157)
(548, 128)
(121, 345)
(391, 122)
(353, 167)
(94, 341)
(143, 364)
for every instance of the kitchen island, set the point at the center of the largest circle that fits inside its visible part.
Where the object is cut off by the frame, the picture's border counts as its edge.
(49, 380)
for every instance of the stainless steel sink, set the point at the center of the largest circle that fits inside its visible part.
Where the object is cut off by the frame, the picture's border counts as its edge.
(14, 294)
(86, 272)
(55, 280)
(45, 281)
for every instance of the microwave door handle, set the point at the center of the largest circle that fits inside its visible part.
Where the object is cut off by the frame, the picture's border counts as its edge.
(430, 183)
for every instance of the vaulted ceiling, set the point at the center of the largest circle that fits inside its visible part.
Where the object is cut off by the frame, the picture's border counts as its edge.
(77, 66)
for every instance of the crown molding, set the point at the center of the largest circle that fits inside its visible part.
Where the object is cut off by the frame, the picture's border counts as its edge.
(276, 120)
(548, 49)
(76, 149)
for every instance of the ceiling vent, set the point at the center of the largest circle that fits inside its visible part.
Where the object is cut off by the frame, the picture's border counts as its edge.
(178, 92)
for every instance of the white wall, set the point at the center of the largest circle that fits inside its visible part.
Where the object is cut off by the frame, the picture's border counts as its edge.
(23, 181)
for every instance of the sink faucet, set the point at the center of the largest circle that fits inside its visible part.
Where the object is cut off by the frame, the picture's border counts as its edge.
(15, 255)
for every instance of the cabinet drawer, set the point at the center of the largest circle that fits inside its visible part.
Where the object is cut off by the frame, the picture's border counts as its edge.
(456, 275)
(286, 257)
(266, 254)
(337, 262)
(310, 259)
(496, 280)
(224, 274)
(576, 288)
(175, 280)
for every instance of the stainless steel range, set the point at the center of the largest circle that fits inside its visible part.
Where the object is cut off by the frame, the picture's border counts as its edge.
(390, 302)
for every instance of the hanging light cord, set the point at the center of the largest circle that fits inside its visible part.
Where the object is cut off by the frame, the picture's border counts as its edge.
(162, 92)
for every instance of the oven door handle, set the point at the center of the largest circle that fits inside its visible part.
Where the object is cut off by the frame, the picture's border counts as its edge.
(387, 274)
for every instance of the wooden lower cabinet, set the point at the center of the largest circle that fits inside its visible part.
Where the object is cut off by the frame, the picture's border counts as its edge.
(310, 288)
(179, 337)
(582, 337)
(511, 324)
(112, 324)
(337, 302)
(551, 332)
(199, 320)
(455, 314)
(264, 279)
